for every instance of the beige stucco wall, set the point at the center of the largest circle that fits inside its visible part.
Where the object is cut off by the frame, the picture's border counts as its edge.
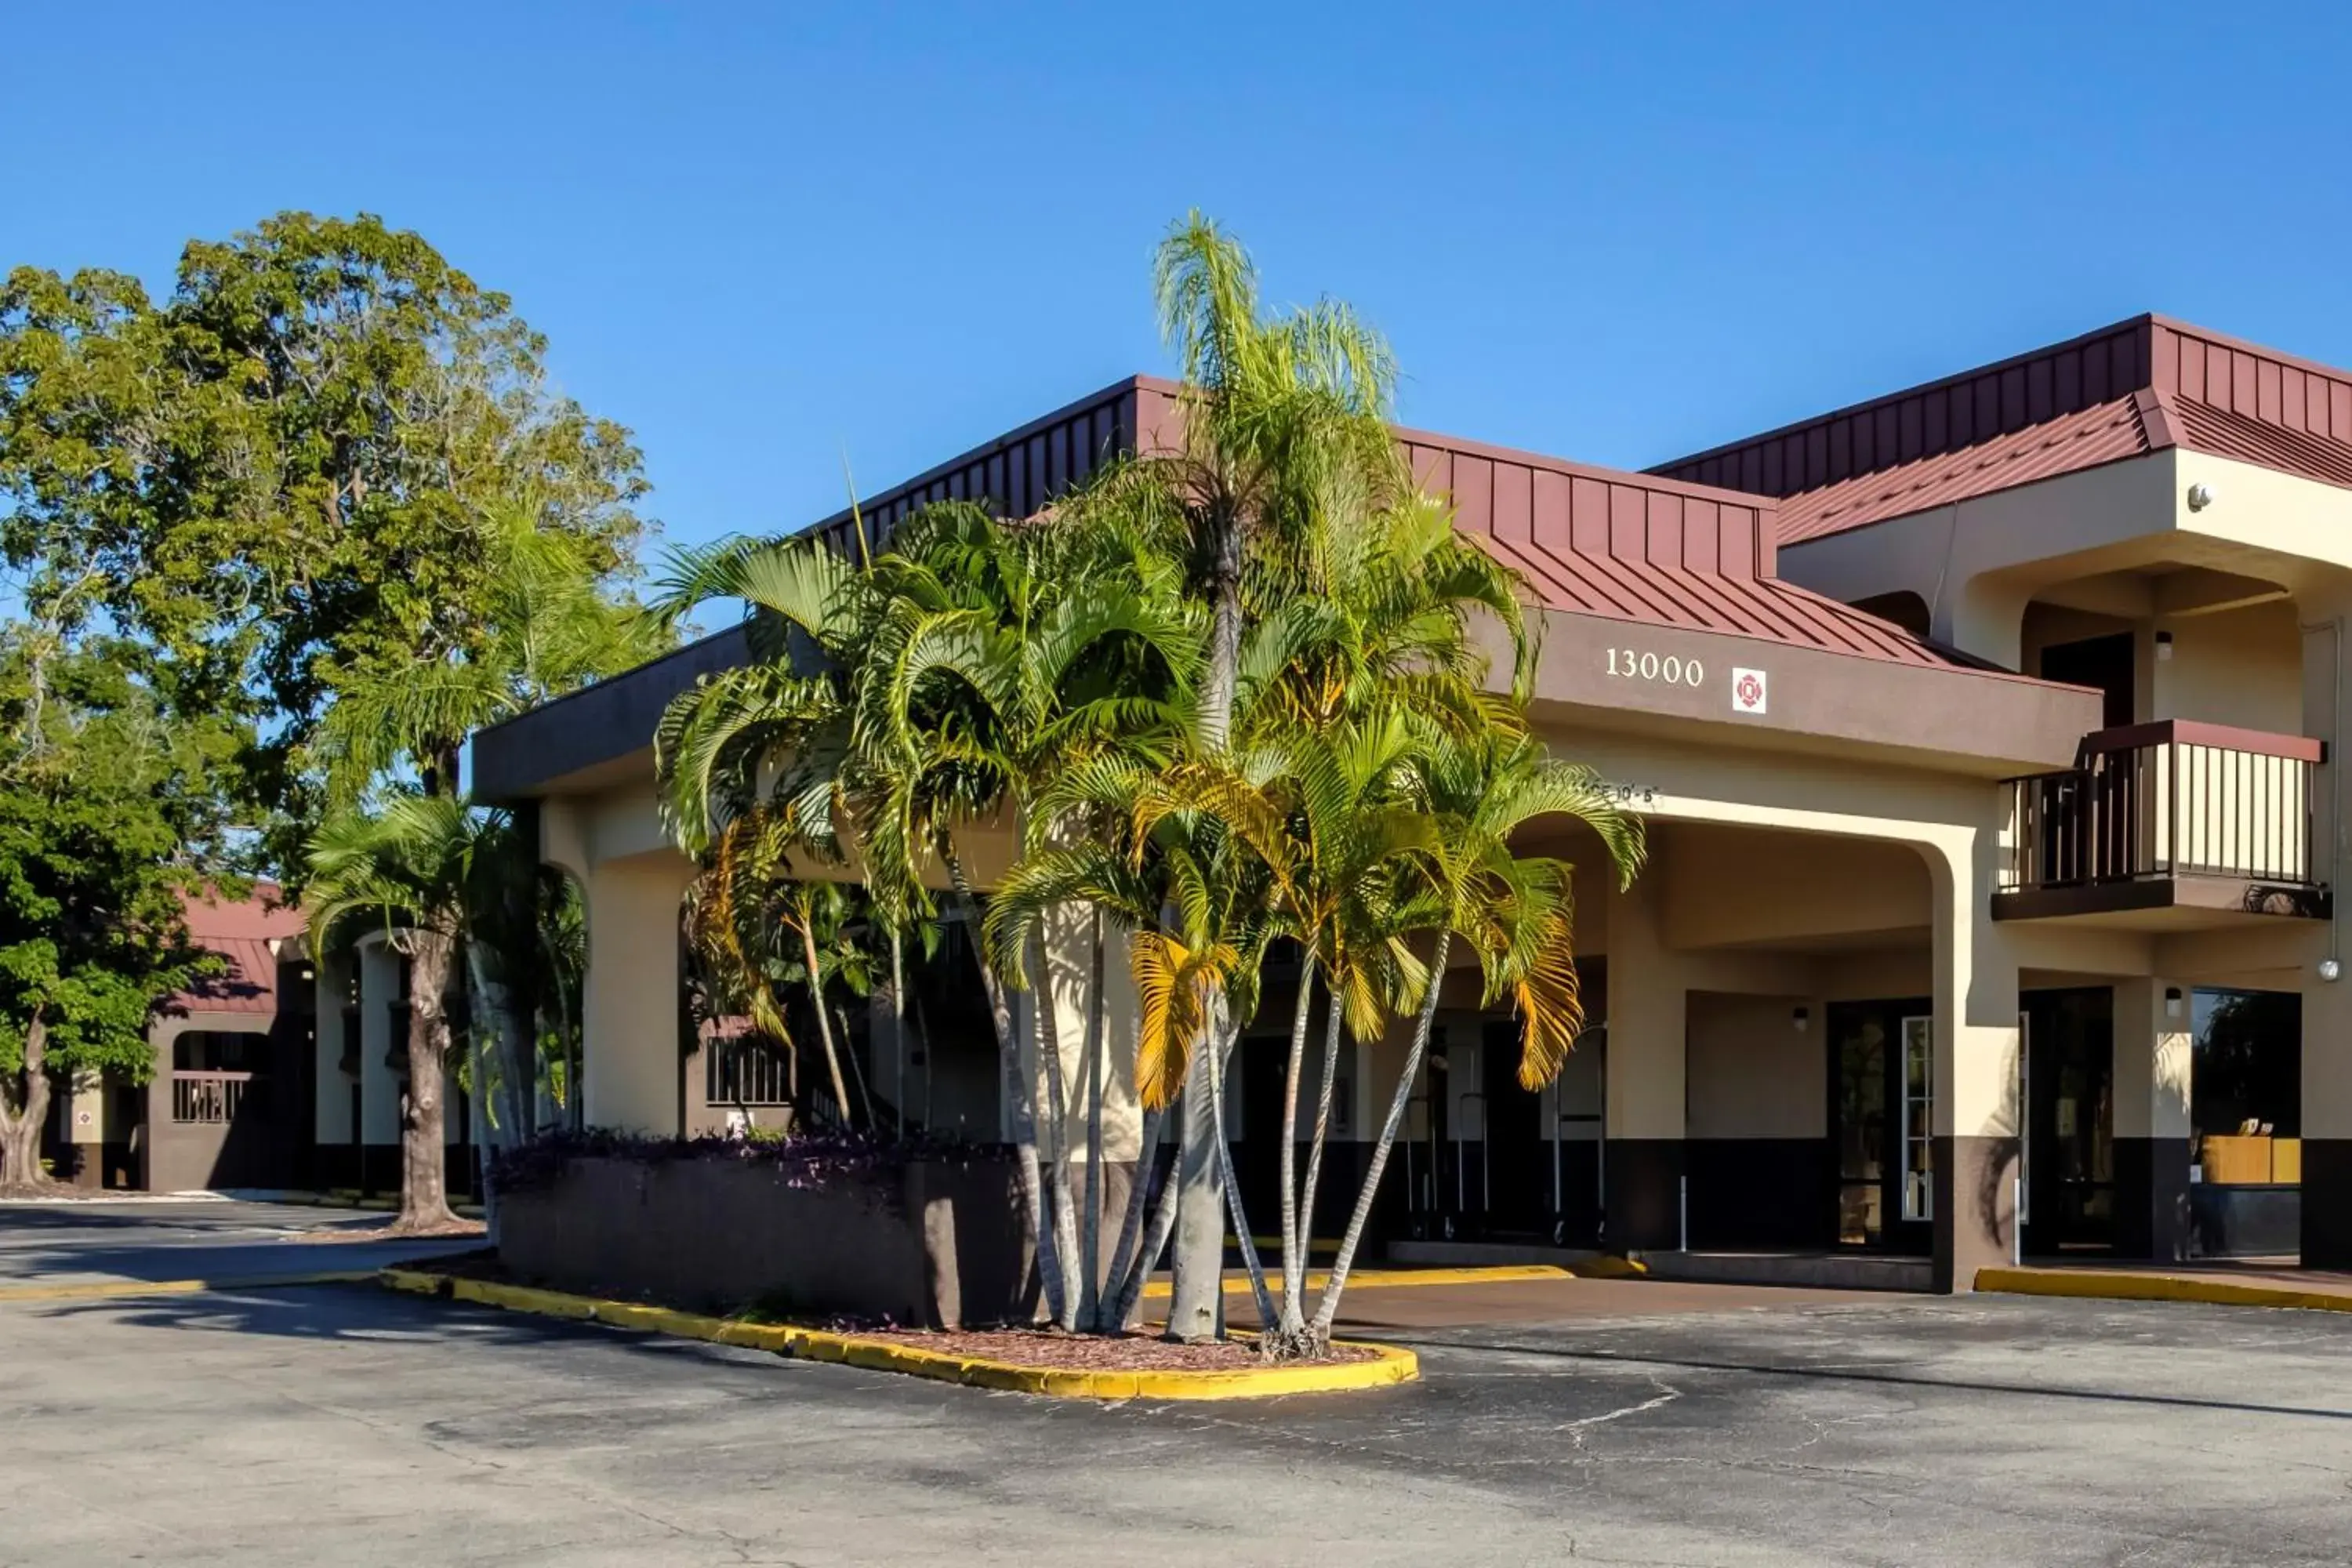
(1753, 1073)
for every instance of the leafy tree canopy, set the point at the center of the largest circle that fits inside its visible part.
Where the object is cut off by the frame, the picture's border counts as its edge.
(104, 816)
(280, 475)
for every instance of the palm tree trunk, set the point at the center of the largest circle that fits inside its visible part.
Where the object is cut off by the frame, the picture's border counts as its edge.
(1327, 1310)
(1090, 1237)
(1128, 1267)
(20, 1131)
(1197, 1293)
(899, 1026)
(1019, 1108)
(1322, 1120)
(1048, 1032)
(1294, 1254)
(1197, 1306)
(858, 1071)
(423, 1156)
(492, 1129)
(1254, 1270)
(824, 1017)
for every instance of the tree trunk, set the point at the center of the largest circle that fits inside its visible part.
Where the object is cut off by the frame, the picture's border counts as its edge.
(1327, 1310)
(423, 1158)
(1294, 1251)
(1130, 1268)
(20, 1133)
(1322, 1120)
(1198, 1305)
(1197, 1294)
(1048, 1032)
(1251, 1266)
(898, 1028)
(824, 1020)
(1090, 1224)
(1019, 1108)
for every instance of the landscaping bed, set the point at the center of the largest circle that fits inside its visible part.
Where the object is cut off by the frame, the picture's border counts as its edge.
(1020, 1360)
(1097, 1353)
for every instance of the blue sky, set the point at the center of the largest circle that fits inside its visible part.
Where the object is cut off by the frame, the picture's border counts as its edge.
(769, 238)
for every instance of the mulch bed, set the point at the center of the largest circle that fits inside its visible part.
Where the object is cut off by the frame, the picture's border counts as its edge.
(1023, 1347)
(460, 1230)
(1092, 1352)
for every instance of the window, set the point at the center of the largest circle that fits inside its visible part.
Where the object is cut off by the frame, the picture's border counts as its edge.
(1918, 1119)
(2245, 1092)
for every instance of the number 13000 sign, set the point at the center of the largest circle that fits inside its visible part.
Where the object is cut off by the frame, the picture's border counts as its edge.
(1673, 672)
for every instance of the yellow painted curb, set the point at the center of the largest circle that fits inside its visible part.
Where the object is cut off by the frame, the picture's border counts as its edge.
(1610, 1266)
(2092, 1284)
(99, 1291)
(1389, 1278)
(1389, 1365)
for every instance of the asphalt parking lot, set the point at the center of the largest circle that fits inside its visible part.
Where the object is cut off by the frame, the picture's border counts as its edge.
(341, 1423)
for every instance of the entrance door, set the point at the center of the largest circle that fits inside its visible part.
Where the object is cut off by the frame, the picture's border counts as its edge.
(1518, 1154)
(1882, 1121)
(2070, 1126)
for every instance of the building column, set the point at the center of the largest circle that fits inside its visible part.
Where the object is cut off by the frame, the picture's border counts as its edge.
(632, 1015)
(2327, 1004)
(2152, 1061)
(378, 1083)
(331, 1101)
(1645, 1095)
(1976, 1116)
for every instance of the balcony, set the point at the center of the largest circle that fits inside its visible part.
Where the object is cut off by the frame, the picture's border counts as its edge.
(2170, 817)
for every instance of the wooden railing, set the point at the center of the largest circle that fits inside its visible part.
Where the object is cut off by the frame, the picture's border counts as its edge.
(2174, 798)
(209, 1096)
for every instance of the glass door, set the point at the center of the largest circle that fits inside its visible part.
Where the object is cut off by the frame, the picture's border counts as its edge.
(1882, 1064)
(2070, 1118)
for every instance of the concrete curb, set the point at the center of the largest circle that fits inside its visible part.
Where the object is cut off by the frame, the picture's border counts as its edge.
(2095, 1284)
(1389, 1278)
(1391, 1365)
(103, 1291)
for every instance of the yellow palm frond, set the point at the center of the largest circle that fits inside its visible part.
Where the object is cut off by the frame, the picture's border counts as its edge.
(1550, 1006)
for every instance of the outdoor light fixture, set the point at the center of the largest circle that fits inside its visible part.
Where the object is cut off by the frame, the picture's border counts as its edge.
(1801, 1018)
(2163, 644)
(2172, 1000)
(2200, 495)
(2329, 969)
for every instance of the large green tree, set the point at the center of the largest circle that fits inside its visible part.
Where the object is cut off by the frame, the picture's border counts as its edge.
(105, 812)
(285, 473)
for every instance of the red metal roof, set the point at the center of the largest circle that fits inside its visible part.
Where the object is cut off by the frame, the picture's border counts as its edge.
(241, 931)
(1633, 548)
(1592, 541)
(2135, 388)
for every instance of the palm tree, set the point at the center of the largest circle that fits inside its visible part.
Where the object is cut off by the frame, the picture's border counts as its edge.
(545, 621)
(1286, 439)
(415, 869)
(1516, 912)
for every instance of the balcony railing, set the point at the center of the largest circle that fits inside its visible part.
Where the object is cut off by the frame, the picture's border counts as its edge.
(2169, 800)
(212, 1097)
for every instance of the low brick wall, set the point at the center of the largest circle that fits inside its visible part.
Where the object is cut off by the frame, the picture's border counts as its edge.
(932, 1241)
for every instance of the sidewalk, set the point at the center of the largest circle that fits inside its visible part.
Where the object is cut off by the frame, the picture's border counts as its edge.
(2223, 1282)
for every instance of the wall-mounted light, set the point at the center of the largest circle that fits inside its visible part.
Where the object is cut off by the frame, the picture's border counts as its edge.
(2172, 1000)
(2200, 495)
(2163, 645)
(2329, 969)
(1801, 1018)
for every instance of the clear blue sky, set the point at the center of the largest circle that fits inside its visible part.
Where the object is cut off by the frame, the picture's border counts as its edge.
(767, 237)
